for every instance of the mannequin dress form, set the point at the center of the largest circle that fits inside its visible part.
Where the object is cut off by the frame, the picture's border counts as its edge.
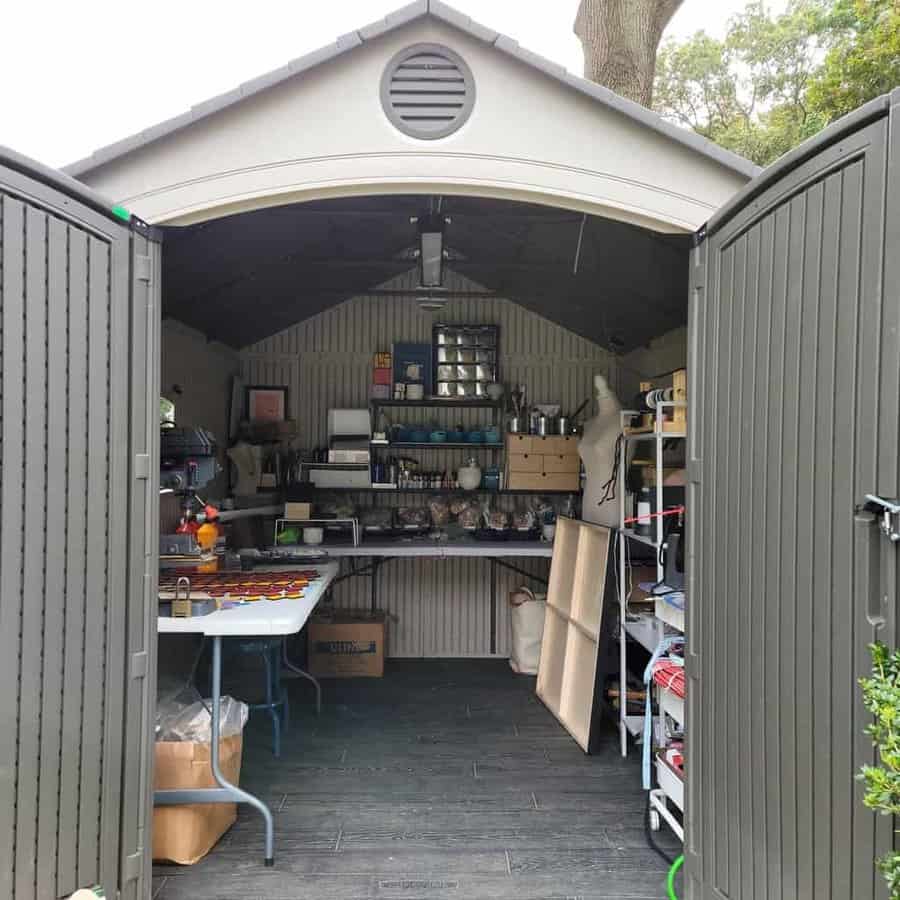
(598, 453)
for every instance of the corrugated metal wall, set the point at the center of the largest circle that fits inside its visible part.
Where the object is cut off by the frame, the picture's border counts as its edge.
(73, 608)
(795, 421)
(439, 608)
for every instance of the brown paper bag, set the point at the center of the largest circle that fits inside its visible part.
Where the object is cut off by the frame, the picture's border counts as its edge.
(185, 834)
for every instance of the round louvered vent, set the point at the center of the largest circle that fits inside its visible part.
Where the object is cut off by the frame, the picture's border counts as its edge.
(427, 91)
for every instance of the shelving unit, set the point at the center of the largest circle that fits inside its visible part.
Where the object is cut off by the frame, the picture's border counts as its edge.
(650, 630)
(436, 445)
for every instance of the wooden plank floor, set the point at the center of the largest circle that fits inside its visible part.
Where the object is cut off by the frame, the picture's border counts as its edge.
(444, 779)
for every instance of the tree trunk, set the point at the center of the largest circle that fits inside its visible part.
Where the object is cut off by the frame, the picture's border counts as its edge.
(620, 39)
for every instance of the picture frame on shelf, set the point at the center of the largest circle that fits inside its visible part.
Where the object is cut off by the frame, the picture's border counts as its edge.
(266, 403)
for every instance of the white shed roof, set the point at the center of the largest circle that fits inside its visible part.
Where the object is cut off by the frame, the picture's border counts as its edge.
(315, 129)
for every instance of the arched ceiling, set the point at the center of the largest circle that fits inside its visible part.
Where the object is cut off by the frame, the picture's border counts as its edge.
(241, 278)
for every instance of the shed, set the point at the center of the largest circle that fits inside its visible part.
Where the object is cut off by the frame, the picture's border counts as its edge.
(278, 231)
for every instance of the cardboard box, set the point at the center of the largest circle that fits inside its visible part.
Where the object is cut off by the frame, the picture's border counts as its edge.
(185, 834)
(299, 511)
(347, 644)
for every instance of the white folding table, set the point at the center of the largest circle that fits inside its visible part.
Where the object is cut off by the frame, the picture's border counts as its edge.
(497, 553)
(262, 618)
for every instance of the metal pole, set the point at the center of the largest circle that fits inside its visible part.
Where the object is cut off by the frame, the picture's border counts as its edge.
(237, 795)
(493, 566)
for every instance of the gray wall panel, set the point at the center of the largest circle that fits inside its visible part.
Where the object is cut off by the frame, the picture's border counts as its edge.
(788, 442)
(438, 609)
(66, 464)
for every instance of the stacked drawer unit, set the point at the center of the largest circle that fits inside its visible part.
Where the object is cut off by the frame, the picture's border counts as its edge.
(536, 463)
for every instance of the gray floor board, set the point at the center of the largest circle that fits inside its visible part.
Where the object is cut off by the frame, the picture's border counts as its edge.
(444, 779)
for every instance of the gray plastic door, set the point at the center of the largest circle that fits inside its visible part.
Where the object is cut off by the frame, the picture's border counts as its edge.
(795, 393)
(79, 401)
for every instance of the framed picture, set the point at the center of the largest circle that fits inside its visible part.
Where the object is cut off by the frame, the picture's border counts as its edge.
(266, 403)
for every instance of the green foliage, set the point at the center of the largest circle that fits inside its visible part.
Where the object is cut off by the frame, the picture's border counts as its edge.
(881, 696)
(774, 81)
(863, 58)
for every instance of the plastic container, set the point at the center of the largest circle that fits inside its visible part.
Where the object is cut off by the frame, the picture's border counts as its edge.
(438, 437)
(475, 437)
(490, 480)
(313, 536)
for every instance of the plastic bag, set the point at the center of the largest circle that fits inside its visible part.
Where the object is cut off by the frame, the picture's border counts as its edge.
(440, 511)
(178, 720)
(526, 614)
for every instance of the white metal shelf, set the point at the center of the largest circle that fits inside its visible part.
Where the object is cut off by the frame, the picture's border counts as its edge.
(649, 630)
(672, 705)
(641, 538)
(656, 435)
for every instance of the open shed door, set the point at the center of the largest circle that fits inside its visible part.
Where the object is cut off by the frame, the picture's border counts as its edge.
(78, 494)
(795, 379)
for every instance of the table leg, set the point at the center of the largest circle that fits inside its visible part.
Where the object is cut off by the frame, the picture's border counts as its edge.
(375, 562)
(226, 792)
(303, 674)
(493, 564)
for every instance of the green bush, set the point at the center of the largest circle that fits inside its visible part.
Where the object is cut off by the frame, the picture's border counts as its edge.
(881, 695)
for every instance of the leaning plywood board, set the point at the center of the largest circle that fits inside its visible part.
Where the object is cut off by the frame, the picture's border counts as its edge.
(567, 676)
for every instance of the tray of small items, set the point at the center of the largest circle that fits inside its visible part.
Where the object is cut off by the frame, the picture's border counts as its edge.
(218, 590)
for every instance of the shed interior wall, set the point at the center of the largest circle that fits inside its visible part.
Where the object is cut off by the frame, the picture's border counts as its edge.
(437, 610)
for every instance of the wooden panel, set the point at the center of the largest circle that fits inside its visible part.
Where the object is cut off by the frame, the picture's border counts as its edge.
(577, 701)
(563, 462)
(590, 577)
(562, 567)
(567, 445)
(525, 462)
(553, 657)
(567, 673)
(518, 443)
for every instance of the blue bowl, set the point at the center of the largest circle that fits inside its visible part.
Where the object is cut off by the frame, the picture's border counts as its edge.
(438, 437)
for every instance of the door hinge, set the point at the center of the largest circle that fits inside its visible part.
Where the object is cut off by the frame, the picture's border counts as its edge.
(143, 269)
(134, 866)
(889, 510)
(142, 465)
(139, 663)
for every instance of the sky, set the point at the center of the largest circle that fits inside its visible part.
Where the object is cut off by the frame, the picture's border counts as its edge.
(77, 76)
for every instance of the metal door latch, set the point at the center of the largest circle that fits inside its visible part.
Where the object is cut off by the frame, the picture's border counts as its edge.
(889, 510)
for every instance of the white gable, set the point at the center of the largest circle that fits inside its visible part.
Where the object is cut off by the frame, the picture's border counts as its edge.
(325, 134)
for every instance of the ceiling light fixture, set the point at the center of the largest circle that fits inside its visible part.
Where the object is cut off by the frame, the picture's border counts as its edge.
(431, 304)
(431, 252)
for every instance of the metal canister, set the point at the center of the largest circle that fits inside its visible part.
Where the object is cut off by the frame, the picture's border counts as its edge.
(562, 424)
(543, 425)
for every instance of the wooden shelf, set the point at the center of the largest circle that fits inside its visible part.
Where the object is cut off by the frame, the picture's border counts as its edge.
(507, 492)
(567, 676)
(449, 402)
(438, 445)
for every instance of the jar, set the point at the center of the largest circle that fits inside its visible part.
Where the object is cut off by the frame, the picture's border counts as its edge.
(469, 475)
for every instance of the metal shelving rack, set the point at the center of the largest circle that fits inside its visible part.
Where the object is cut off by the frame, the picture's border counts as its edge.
(648, 633)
